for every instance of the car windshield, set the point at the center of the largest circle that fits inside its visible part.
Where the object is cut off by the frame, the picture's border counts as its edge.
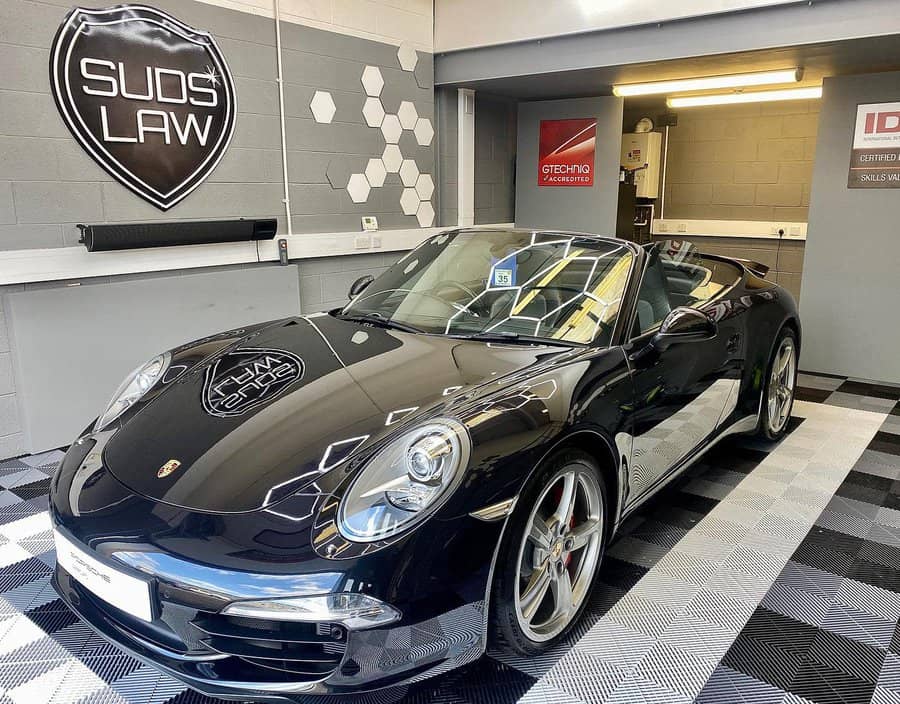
(532, 287)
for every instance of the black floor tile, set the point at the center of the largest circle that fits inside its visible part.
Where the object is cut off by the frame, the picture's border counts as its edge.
(30, 491)
(824, 685)
(862, 388)
(804, 393)
(882, 442)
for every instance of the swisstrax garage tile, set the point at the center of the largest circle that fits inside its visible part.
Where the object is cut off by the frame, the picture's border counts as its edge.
(711, 593)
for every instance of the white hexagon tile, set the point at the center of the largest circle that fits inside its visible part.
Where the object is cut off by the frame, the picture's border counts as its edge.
(409, 172)
(425, 186)
(372, 81)
(391, 129)
(376, 173)
(409, 201)
(322, 106)
(407, 56)
(407, 115)
(424, 131)
(392, 158)
(358, 188)
(425, 214)
(373, 112)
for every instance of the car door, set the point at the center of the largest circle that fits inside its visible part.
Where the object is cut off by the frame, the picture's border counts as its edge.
(680, 391)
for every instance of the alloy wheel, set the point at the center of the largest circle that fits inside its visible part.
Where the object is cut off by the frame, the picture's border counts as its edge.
(559, 553)
(781, 385)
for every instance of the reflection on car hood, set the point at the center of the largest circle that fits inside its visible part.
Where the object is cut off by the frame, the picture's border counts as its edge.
(262, 417)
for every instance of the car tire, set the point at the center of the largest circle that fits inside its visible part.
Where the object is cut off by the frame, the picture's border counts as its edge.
(781, 381)
(570, 550)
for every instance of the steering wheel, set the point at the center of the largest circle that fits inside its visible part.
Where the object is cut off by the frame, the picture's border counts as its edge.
(447, 283)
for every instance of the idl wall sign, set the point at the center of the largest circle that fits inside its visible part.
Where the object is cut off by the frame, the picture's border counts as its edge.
(148, 97)
(875, 157)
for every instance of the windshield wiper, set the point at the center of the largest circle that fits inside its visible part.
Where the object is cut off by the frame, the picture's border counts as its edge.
(382, 322)
(514, 337)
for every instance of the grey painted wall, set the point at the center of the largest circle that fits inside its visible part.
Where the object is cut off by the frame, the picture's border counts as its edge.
(582, 209)
(445, 101)
(850, 274)
(103, 331)
(48, 184)
(495, 159)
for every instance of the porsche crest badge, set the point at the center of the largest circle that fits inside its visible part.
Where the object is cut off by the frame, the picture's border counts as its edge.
(167, 469)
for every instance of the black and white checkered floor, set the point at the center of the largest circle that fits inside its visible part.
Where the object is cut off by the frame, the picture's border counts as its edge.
(769, 573)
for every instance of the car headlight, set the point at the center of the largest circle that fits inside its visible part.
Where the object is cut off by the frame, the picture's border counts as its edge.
(354, 611)
(130, 391)
(404, 482)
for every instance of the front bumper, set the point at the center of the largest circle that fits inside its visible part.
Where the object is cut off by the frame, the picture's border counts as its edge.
(252, 659)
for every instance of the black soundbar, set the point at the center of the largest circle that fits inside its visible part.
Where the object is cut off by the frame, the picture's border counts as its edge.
(105, 238)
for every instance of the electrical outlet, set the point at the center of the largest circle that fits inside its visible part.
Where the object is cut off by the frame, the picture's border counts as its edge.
(663, 226)
(682, 227)
(376, 241)
(795, 231)
(362, 242)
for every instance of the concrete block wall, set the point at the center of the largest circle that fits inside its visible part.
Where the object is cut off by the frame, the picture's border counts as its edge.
(743, 162)
(48, 183)
(495, 159)
(445, 100)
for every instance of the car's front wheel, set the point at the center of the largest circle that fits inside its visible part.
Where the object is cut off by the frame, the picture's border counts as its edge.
(550, 554)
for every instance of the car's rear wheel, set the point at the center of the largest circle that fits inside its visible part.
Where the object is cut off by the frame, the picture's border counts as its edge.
(781, 379)
(550, 554)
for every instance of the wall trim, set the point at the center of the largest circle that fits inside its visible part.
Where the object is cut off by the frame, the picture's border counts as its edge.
(32, 265)
(676, 228)
(67, 263)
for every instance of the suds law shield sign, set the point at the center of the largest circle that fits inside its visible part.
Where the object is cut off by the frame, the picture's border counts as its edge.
(148, 97)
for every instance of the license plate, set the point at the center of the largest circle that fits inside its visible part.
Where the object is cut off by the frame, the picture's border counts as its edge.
(130, 594)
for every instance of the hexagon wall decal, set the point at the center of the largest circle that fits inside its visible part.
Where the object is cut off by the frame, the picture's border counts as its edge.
(358, 188)
(391, 129)
(392, 158)
(408, 115)
(425, 214)
(407, 56)
(322, 106)
(376, 173)
(372, 80)
(424, 131)
(373, 112)
(409, 201)
(425, 186)
(409, 173)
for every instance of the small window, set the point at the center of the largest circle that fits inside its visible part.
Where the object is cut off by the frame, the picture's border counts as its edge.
(653, 304)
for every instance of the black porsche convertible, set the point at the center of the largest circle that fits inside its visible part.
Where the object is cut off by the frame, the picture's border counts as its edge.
(367, 497)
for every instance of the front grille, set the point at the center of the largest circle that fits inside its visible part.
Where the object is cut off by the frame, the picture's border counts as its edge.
(311, 650)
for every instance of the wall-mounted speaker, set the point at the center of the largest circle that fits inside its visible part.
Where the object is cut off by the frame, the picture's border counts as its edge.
(104, 238)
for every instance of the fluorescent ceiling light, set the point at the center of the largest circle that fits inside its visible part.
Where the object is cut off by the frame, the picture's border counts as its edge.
(737, 80)
(760, 96)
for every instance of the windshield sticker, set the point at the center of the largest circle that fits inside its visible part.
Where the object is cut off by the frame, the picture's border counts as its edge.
(504, 275)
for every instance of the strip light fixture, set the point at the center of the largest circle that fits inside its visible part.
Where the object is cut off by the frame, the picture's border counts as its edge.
(737, 80)
(760, 96)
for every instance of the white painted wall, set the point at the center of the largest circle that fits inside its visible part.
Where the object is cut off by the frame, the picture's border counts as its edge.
(389, 21)
(463, 24)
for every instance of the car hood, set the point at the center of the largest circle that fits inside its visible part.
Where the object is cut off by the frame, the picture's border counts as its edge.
(255, 417)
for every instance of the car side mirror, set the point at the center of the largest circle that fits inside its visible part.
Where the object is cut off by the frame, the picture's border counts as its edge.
(685, 324)
(360, 285)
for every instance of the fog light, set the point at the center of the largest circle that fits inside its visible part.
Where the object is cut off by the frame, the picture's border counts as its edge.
(353, 611)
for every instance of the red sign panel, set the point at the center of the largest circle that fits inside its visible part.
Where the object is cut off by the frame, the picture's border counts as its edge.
(566, 152)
